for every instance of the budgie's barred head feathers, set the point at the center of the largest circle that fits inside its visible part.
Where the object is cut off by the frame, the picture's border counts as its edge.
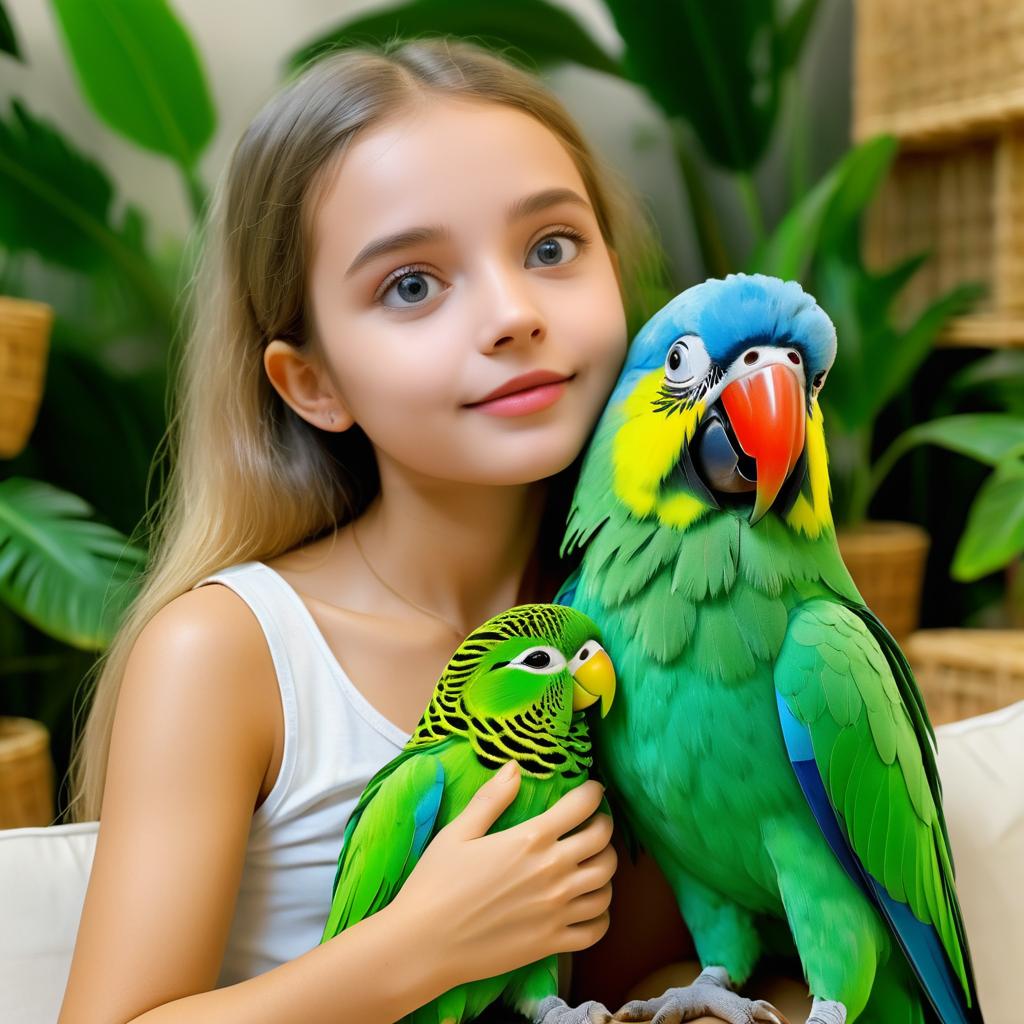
(716, 409)
(513, 686)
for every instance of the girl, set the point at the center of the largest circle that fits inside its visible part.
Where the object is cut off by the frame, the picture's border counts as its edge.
(400, 234)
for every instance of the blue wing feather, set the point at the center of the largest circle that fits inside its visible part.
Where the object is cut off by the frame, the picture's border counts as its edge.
(919, 941)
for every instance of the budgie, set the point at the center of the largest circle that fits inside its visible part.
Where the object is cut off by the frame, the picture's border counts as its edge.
(769, 745)
(516, 688)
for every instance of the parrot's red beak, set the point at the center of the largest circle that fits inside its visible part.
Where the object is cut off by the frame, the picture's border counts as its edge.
(766, 410)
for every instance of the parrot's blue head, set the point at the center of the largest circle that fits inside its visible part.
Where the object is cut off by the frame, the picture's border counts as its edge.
(716, 406)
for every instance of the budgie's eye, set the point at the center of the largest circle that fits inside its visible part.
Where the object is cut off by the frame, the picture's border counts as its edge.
(585, 653)
(542, 660)
(687, 362)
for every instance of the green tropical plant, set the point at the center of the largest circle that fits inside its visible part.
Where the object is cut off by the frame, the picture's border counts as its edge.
(63, 568)
(73, 500)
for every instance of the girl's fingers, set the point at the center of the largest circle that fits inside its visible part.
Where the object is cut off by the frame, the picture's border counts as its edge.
(487, 804)
(591, 839)
(572, 809)
(594, 873)
(589, 905)
(584, 933)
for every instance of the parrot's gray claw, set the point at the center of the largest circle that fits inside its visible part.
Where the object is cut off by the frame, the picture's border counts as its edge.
(709, 995)
(553, 1010)
(827, 1011)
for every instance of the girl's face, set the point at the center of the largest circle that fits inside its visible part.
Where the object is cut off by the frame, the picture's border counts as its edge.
(455, 249)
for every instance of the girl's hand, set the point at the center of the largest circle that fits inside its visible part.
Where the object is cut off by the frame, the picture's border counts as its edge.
(497, 902)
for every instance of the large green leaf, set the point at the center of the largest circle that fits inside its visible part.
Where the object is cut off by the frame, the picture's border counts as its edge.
(69, 575)
(988, 437)
(720, 66)
(139, 69)
(8, 40)
(56, 202)
(995, 524)
(997, 378)
(538, 33)
(899, 353)
(876, 357)
(824, 213)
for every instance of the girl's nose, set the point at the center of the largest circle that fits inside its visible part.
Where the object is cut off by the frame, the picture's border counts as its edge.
(509, 311)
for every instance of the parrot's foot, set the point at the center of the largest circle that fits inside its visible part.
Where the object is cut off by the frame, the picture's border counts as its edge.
(827, 1011)
(553, 1010)
(709, 995)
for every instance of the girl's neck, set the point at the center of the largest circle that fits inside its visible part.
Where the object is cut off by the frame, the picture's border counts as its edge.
(461, 550)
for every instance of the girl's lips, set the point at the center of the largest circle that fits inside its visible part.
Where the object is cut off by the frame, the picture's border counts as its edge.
(524, 402)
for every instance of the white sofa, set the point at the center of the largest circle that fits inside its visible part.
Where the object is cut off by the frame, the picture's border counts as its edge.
(44, 872)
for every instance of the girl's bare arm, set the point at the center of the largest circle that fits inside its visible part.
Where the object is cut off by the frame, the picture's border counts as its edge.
(191, 744)
(190, 748)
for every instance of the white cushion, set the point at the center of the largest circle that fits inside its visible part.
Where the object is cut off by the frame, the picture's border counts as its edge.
(981, 764)
(43, 876)
(44, 872)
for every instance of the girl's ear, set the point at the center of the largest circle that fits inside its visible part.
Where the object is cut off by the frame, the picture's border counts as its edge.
(305, 386)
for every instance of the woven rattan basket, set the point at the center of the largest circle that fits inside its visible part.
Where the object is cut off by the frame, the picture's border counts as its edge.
(26, 773)
(24, 342)
(946, 77)
(886, 561)
(967, 672)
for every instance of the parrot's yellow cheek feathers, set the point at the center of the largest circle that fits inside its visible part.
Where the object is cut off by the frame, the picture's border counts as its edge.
(811, 516)
(646, 448)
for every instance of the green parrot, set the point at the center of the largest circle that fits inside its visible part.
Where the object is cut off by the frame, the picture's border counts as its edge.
(769, 745)
(515, 689)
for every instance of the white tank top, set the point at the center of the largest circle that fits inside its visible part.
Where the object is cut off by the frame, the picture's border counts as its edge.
(334, 742)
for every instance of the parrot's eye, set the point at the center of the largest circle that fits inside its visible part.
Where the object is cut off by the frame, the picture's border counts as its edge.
(819, 380)
(687, 362)
(585, 653)
(542, 660)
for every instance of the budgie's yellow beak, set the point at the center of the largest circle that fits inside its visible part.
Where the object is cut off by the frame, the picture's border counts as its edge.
(593, 680)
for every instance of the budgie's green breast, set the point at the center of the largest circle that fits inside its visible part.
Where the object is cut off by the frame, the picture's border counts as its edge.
(464, 774)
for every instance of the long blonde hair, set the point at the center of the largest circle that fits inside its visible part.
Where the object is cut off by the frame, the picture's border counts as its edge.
(249, 478)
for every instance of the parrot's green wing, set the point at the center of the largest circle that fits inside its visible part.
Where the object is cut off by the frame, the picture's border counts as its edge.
(842, 676)
(385, 836)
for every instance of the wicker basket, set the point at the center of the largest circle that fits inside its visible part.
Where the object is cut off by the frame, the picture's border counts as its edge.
(26, 773)
(24, 342)
(947, 78)
(886, 561)
(931, 69)
(966, 672)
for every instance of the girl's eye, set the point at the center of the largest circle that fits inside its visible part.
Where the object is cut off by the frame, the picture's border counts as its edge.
(551, 248)
(410, 285)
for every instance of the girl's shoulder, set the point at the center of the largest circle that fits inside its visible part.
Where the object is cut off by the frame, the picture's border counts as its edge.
(209, 621)
(209, 640)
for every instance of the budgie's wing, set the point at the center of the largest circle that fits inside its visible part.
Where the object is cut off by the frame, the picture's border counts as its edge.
(385, 836)
(859, 741)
